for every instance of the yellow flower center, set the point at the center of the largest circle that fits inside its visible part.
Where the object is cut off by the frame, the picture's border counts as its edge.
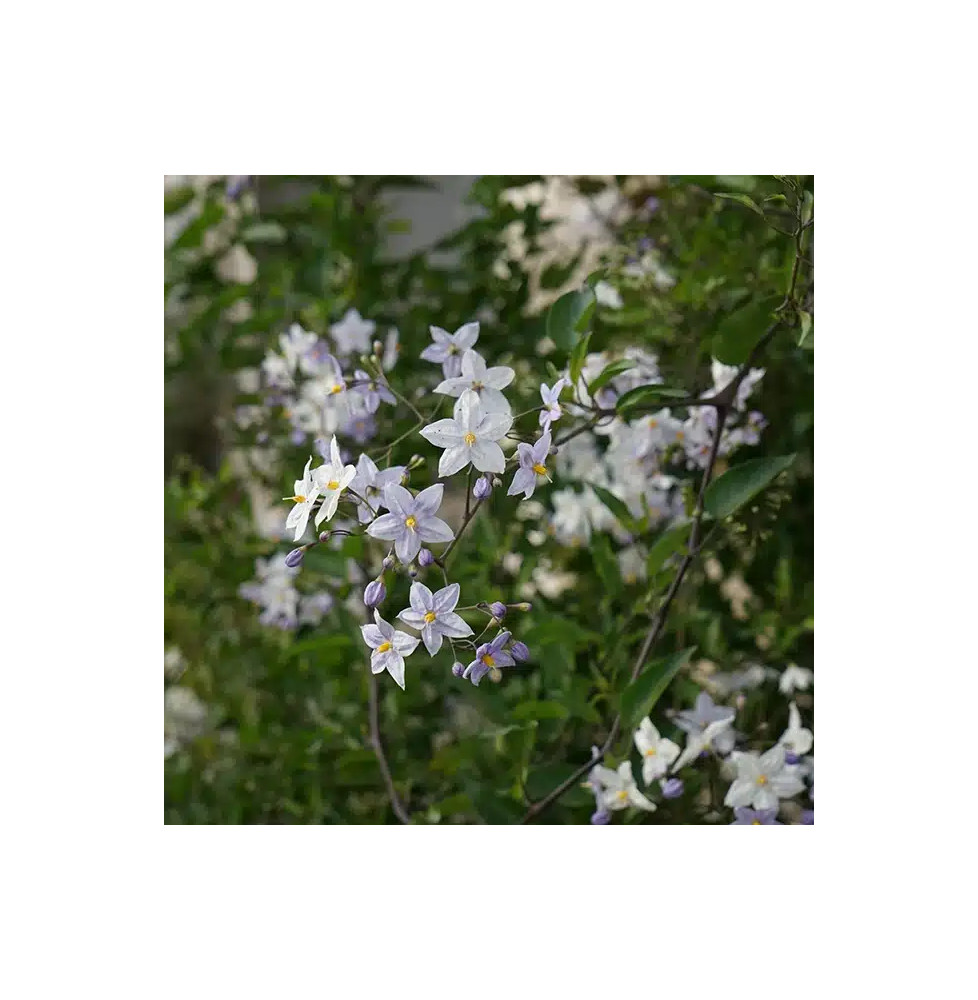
(336, 388)
(679, 435)
(756, 822)
(540, 470)
(452, 350)
(762, 779)
(429, 617)
(383, 647)
(470, 438)
(622, 796)
(476, 386)
(653, 422)
(650, 752)
(488, 660)
(333, 485)
(410, 522)
(299, 498)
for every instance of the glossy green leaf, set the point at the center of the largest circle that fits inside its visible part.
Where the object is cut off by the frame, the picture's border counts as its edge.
(742, 329)
(615, 368)
(742, 199)
(176, 199)
(569, 316)
(577, 358)
(647, 397)
(614, 505)
(640, 697)
(741, 483)
(667, 544)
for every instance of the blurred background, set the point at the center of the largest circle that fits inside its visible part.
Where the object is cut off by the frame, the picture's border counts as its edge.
(265, 712)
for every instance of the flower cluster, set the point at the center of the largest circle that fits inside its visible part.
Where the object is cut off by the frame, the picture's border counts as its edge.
(282, 606)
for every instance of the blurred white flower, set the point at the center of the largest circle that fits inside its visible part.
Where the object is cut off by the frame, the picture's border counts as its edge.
(795, 678)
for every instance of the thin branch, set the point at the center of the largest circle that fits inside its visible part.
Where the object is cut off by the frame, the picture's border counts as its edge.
(396, 804)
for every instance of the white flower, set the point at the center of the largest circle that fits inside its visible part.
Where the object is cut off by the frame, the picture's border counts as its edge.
(795, 678)
(353, 333)
(434, 615)
(485, 382)
(618, 788)
(697, 742)
(657, 753)
(411, 520)
(389, 647)
(295, 344)
(632, 564)
(607, 295)
(392, 348)
(370, 483)
(469, 436)
(796, 738)
(761, 780)
(448, 348)
(304, 497)
(331, 479)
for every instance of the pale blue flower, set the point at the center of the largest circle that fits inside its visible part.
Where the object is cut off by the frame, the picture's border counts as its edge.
(551, 402)
(389, 647)
(411, 520)
(448, 348)
(470, 435)
(486, 383)
(487, 656)
(434, 615)
(533, 459)
(370, 482)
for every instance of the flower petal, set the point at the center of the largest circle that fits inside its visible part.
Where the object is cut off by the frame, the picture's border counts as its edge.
(443, 433)
(434, 529)
(446, 598)
(407, 546)
(454, 625)
(372, 636)
(499, 377)
(466, 336)
(452, 387)
(398, 499)
(495, 425)
(454, 459)
(413, 618)
(395, 667)
(387, 527)
(468, 411)
(429, 500)
(421, 598)
(487, 456)
(432, 639)
(405, 644)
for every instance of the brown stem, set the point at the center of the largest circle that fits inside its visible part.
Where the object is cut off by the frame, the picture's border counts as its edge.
(396, 804)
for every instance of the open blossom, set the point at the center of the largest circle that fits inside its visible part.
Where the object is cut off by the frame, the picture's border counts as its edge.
(371, 391)
(295, 343)
(700, 740)
(487, 656)
(551, 402)
(370, 483)
(533, 459)
(657, 753)
(755, 817)
(619, 789)
(448, 348)
(471, 435)
(702, 716)
(331, 479)
(762, 780)
(306, 492)
(433, 614)
(796, 739)
(795, 678)
(353, 334)
(486, 383)
(411, 520)
(389, 647)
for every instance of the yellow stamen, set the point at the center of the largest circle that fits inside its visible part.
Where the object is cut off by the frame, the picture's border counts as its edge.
(470, 439)
(540, 470)
(622, 796)
(333, 485)
(488, 660)
(336, 389)
(756, 822)
(679, 435)
(762, 780)
(383, 647)
(429, 617)
(476, 386)
(653, 422)
(299, 498)
(410, 522)
(650, 752)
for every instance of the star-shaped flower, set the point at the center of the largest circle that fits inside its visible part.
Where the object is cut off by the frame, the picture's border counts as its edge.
(469, 436)
(551, 402)
(434, 615)
(353, 334)
(304, 497)
(762, 780)
(389, 647)
(411, 520)
(796, 739)
(533, 463)
(700, 740)
(619, 788)
(704, 714)
(448, 348)
(795, 678)
(487, 656)
(755, 817)
(370, 482)
(331, 479)
(657, 753)
(485, 382)
(371, 391)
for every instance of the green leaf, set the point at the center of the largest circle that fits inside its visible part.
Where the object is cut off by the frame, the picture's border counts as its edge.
(741, 483)
(605, 563)
(614, 505)
(742, 199)
(667, 544)
(569, 316)
(639, 698)
(615, 368)
(594, 277)
(648, 397)
(543, 780)
(741, 330)
(176, 199)
(806, 326)
(577, 358)
(264, 232)
(530, 710)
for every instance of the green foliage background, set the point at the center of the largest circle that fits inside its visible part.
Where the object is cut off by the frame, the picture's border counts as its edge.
(287, 737)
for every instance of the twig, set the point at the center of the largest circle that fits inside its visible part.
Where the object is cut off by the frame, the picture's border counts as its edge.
(396, 804)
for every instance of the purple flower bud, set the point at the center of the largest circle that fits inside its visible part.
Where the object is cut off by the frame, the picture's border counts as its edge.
(324, 536)
(295, 557)
(498, 610)
(458, 669)
(601, 817)
(672, 788)
(791, 758)
(482, 488)
(520, 652)
(425, 557)
(374, 593)
(388, 562)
